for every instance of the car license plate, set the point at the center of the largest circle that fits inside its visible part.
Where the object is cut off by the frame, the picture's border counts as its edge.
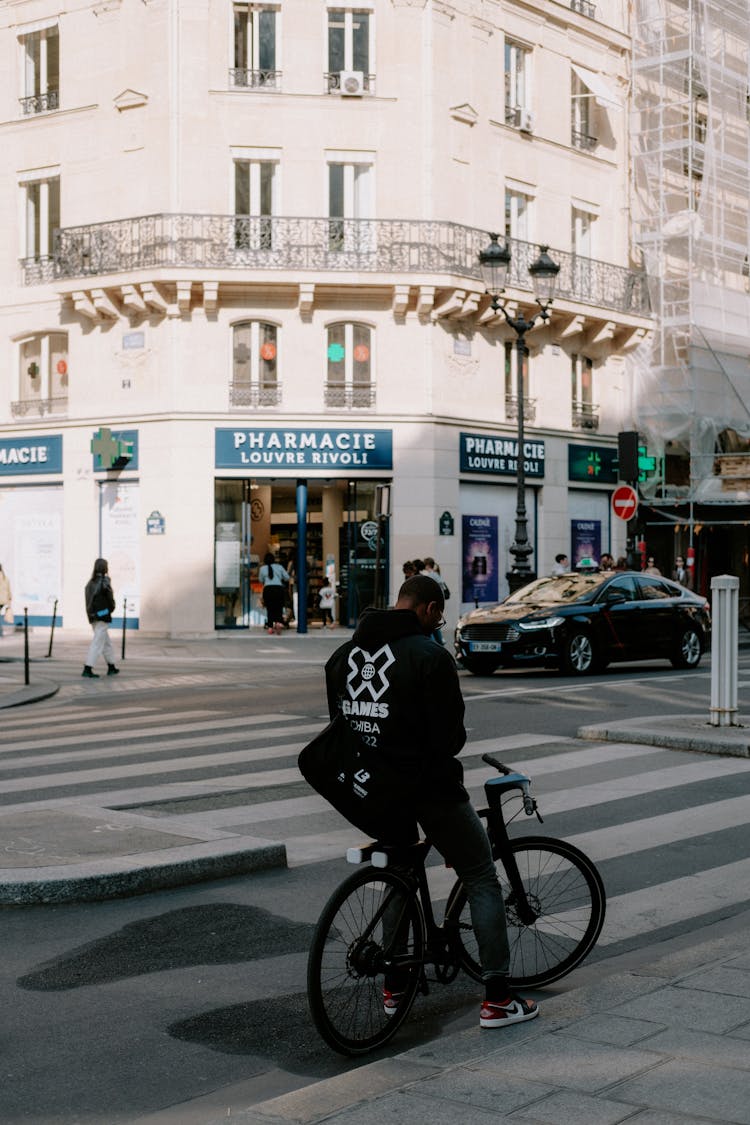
(485, 646)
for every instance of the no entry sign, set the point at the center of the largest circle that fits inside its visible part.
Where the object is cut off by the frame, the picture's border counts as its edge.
(624, 502)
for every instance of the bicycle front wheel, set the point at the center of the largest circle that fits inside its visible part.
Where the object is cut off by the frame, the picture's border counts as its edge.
(372, 924)
(566, 893)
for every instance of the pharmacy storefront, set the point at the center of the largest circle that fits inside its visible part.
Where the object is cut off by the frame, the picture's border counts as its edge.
(310, 497)
(488, 512)
(31, 524)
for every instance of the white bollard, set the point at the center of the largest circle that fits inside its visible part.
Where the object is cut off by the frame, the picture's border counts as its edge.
(724, 650)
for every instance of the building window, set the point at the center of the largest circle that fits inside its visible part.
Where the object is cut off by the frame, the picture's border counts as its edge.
(581, 114)
(42, 375)
(255, 48)
(585, 413)
(255, 199)
(517, 77)
(517, 215)
(350, 51)
(41, 59)
(255, 368)
(349, 382)
(511, 384)
(350, 207)
(41, 200)
(581, 241)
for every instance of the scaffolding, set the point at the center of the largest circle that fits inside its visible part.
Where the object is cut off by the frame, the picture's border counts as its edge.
(691, 192)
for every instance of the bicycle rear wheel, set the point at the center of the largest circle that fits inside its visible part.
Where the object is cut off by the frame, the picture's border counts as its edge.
(567, 895)
(371, 923)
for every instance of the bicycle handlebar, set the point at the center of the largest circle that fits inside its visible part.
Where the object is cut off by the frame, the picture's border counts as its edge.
(491, 760)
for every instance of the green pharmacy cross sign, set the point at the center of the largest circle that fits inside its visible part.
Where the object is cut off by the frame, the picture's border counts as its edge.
(646, 464)
(110, 451)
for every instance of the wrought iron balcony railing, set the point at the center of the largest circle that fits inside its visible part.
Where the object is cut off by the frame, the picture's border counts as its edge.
(511, 409)
(40, 103)
(254, 394)
(349, 396)
(585, 416)
(583, 141)
(254, 79)
(388, 246)
(584, 7)
(28, 407)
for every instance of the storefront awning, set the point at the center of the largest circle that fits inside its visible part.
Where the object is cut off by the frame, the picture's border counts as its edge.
(603, 89)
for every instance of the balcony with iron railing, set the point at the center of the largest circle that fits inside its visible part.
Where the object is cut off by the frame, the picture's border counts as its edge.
(350, 396)
(583, 141)
(387, 246)
(248, 395)
(511, 409)
(40, 103)
(39, 407)
(584, 7)
(348, 82)
(242, 79)
(585, 416)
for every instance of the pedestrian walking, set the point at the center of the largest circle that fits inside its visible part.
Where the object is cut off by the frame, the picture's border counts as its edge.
(326, 598)
(6, 610)
(432, 570)
(100, 602)
(681, 573)
(651, 567)
(274, 577)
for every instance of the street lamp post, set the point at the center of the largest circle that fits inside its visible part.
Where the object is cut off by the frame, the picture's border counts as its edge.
(494, 261)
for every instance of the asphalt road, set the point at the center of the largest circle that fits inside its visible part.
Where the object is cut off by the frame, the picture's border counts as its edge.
(168, 1008)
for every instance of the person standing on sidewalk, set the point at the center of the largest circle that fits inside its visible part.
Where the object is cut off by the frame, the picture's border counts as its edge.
(100, 602)
(5, 599)
(418, 728)
(273, 576)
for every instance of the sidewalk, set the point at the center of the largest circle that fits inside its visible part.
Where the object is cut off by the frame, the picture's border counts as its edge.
(666, 1044)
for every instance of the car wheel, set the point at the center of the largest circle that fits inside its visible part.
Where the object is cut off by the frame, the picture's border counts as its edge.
(689, 649)
(479, 665)
(579, 655)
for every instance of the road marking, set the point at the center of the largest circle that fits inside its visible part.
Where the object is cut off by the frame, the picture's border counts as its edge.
(153, 731)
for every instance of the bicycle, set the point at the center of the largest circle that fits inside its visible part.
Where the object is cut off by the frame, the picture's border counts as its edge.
(382, 919)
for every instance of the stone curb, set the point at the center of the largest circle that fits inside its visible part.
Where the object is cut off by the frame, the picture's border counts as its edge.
(735, 741)
(97, 880)
(28, 693)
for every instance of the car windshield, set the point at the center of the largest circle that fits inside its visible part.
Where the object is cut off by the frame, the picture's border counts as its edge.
(557, 589)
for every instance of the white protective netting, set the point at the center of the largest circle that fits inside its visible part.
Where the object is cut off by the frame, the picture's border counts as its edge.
(691, 179)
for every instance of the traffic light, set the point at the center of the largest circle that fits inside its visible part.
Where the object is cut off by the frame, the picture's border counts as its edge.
(627, 456)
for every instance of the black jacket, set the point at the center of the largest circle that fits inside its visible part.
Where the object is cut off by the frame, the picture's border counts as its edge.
(99, 596)
(399, 690)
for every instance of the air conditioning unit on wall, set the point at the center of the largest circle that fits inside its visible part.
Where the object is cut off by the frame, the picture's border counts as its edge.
(352, 83)
(526, 124)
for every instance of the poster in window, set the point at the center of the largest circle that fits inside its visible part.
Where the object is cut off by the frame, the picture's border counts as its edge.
(480, 559)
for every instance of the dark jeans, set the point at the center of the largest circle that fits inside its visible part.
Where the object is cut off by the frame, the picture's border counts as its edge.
(273, 600)
(461, 838)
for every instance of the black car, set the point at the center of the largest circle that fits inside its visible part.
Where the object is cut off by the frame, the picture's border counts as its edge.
(580, 622)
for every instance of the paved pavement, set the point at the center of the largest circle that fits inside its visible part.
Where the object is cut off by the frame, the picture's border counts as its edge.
(664, 1044)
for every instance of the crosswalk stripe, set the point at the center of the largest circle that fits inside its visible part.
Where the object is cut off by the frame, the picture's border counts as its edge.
(678, 900)
(171, 745)
(213, 725)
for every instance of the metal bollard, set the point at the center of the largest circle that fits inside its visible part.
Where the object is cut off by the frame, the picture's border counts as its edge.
(724, 650)
(25, 645)
(52, 634)
(124, 626)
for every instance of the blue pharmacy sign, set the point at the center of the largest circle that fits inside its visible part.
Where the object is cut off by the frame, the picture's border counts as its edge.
(304, 449)
(498, 456)
(22, 455)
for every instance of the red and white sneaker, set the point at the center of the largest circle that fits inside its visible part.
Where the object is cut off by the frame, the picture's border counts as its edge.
(512, 1010)
(391, 1001)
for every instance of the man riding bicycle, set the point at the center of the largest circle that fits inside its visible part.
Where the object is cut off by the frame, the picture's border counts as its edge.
(417, 725)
